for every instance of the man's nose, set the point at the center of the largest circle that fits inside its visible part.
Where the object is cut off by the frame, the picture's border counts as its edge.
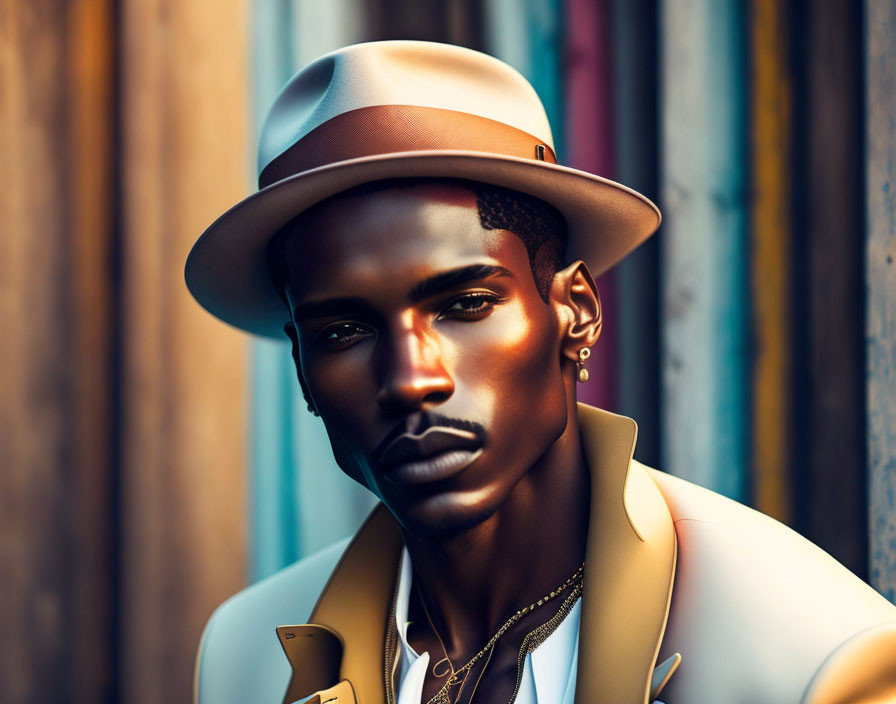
(415, 372)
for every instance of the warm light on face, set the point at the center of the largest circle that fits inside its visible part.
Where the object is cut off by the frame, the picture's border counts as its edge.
(427, 349)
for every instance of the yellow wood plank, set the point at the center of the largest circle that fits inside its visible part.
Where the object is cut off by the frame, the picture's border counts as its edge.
(770, 239)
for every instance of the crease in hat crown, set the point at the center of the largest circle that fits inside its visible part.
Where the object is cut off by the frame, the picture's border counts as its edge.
(400, 72)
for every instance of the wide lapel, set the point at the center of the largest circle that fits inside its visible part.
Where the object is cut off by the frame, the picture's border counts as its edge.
(630, 567)
(354, 606)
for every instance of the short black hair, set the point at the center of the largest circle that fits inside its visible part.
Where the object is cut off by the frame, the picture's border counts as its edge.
(540, 226)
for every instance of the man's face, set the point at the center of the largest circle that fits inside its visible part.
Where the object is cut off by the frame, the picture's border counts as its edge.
(427, 350)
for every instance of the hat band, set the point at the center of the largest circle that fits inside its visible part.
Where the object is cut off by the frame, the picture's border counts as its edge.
(390, 129)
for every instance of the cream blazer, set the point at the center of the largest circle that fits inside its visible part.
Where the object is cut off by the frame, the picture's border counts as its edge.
(697, 600)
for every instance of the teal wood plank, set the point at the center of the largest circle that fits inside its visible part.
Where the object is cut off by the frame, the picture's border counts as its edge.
(529, 36)
(545, 28)
(300, 500)
(705, 290)
(507, 35)
(880, 287)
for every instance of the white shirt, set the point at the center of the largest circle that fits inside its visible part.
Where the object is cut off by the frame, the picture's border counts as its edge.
(549, 672)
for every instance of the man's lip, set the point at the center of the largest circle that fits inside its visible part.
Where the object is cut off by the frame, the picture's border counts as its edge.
(435, 440)
(430, 469)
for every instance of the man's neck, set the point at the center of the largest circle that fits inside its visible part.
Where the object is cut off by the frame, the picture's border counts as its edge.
(472, 582)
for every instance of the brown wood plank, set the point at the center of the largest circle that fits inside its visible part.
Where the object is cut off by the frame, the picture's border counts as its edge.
(829, 218)
(450, 21)
(184, 161)
(56, 119)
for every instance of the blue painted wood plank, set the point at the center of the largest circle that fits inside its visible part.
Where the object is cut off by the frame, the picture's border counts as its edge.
(880, 272)
(705, 291)
(528, 35)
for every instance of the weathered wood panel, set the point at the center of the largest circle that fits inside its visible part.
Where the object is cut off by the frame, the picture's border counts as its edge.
(184, 161)
(56, 122)
(634, 45)
(880, 288)
(704, 258)
(589, 137)
(830, 355)
(449, 21)
(771, 240)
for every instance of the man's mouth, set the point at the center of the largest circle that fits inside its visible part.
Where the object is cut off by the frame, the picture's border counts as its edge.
(437, 453)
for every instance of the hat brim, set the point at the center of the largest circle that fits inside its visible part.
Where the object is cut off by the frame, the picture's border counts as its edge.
(227, 270)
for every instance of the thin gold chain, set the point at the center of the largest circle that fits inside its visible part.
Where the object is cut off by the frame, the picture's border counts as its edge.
(442, 695)
(434, 630)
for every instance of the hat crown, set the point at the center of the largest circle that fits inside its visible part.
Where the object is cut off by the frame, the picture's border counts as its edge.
(414, 73)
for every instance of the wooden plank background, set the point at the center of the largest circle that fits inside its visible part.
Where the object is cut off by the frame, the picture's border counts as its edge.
(705, 290)
(589, 138)
(184, 161)
(56, 537)
(830, 458)
(880, 283)
(771, 237)
(636, 141)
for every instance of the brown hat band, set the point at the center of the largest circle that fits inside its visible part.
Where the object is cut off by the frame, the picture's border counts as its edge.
(387, 129)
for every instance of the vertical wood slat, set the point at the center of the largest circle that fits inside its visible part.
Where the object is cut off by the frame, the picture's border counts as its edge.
(184, 161)
(705, 289)
(829, 216)
(771, 88)
(544, 26)
(880, 287)
(449, 21)
(589, 147)
(529, 36)
(56, 117)
(634, 42)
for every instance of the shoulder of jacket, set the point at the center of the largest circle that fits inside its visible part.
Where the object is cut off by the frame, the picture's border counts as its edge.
(756, 608)
(239, 657)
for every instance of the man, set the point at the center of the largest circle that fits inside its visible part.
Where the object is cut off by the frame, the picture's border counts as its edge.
(433, 268)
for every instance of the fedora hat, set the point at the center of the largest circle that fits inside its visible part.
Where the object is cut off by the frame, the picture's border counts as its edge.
(397, 109)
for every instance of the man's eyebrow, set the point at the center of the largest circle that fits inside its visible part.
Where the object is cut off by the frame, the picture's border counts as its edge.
(446, 280)
(330, 307)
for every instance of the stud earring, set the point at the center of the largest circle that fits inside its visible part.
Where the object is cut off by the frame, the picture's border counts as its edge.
(584, 354)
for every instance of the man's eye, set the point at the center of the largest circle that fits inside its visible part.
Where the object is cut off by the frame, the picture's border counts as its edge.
(472, 305)
(341, 335)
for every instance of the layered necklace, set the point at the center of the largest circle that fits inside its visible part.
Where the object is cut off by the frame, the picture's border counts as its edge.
(457, 677)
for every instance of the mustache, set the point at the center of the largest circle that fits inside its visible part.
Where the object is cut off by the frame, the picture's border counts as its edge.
(418, 422)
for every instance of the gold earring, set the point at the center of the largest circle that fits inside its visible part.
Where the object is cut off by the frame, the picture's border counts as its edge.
(584, 354)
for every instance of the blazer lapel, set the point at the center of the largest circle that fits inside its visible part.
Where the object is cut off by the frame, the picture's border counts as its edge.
(355, 607)
(630, 566)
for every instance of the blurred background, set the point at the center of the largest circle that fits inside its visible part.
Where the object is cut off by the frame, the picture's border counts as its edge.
(154, 461)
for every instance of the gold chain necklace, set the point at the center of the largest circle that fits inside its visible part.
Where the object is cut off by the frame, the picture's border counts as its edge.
(442, 696)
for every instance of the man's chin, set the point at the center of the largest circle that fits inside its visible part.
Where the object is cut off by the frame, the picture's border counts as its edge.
(441, 522)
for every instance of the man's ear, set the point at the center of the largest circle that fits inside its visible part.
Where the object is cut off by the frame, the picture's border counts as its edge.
(293, 335)
(575, 297)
